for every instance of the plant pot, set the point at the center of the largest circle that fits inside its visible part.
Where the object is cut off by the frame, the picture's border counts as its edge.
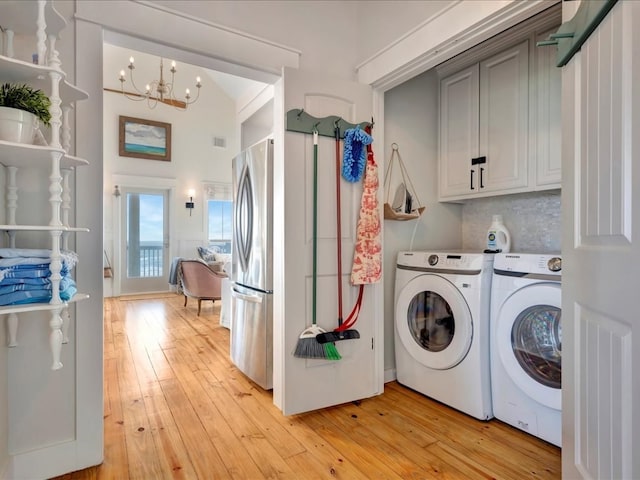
(17, 126)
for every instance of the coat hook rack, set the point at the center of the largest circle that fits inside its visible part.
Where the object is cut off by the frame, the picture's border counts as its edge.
(300, 121)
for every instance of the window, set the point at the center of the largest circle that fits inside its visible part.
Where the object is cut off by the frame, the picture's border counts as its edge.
(219, 216)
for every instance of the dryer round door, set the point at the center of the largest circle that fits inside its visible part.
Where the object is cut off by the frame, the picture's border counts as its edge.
(434, 322)
(529, 341)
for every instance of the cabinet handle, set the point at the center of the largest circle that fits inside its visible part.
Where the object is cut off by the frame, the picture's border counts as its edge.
(481, 182)
(472, 179)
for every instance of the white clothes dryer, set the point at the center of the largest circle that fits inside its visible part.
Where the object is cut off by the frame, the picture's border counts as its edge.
(442, 328)
(526, 343)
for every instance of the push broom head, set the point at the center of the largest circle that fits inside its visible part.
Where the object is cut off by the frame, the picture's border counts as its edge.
(336, 336)
(309, 347)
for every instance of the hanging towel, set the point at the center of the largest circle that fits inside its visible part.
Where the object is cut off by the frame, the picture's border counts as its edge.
(367, 260)
(354, 156)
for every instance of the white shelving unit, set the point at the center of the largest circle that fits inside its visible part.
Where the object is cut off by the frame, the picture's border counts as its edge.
(40, 20)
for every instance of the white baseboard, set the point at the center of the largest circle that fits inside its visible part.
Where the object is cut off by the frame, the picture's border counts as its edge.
(389, 375)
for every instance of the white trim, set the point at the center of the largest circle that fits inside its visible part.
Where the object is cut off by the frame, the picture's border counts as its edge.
(217, 191)
(447, 34)
(215, 25)
(188, 34)
(390, 375)
(246, 107)
(433, 18)
(140, 181)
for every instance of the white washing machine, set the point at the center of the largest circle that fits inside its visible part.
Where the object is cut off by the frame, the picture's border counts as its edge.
(442, 328)
(526, 343)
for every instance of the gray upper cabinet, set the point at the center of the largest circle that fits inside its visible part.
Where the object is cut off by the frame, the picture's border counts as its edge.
(484, 127)
(500, 116)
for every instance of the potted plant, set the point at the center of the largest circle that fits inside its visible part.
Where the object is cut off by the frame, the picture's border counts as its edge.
(21, 109)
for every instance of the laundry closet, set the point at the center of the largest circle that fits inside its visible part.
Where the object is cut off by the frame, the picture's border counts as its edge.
(530, 206)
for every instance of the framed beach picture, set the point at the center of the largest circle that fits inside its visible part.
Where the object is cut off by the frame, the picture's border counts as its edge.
(148, 139)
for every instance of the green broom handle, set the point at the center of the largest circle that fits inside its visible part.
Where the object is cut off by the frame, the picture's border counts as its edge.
(315, 219)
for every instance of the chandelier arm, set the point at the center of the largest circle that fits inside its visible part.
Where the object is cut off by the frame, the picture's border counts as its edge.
(133, 84)
(189, 101)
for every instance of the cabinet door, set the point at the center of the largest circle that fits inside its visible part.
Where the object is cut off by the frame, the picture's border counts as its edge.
(547, 125)
(504, 125)
(459, 103)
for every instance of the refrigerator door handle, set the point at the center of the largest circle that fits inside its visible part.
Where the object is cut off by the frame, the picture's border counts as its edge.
(246, 297)
(244, 216)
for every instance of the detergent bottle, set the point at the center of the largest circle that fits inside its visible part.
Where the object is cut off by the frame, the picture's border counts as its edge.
(498, 238)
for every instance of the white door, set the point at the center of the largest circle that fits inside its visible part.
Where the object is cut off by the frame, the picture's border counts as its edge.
(144, 246)
(601, 251)
(303, 384)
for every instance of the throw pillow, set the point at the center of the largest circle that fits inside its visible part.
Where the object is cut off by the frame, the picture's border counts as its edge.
(207, 254)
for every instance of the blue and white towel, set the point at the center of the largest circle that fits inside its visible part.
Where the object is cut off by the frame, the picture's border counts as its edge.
(25, 276)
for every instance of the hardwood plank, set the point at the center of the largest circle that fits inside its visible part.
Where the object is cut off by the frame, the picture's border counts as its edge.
(206, 460)
(115, 445)
(348, 444)
(232, 452)
(174, 457)
(142, 455)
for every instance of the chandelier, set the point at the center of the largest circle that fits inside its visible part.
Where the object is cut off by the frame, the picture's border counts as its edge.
(158, 90)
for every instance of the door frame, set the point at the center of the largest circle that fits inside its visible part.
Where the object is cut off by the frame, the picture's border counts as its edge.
(134, 182)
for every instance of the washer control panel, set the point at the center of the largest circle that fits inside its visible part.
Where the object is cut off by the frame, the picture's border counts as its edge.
(451, 261)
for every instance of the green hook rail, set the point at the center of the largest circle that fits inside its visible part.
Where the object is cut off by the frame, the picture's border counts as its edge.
(300, 121)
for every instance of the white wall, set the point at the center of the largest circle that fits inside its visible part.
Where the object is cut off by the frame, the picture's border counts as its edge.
(411, 121)
(194, 160)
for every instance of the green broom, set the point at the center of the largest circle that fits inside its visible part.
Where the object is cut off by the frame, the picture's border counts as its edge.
(308, 346)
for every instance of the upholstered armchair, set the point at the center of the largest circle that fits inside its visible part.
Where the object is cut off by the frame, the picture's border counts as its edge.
(200, 282)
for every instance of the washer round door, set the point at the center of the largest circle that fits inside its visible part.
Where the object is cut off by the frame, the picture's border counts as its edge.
(529, 341)
(434, 322)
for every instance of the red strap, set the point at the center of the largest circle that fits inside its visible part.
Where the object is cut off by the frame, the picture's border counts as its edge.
(353, 316)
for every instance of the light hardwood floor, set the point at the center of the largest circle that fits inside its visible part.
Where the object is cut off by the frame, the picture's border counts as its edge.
(176, 407)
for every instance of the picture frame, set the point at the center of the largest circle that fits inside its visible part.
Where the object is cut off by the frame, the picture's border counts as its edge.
(148, 139)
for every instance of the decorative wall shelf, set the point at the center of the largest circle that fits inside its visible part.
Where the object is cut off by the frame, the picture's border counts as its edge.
(44, 72)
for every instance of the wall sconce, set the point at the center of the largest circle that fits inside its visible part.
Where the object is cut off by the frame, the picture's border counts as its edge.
(190, 203)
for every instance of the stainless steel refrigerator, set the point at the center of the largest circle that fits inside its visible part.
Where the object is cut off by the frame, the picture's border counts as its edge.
(252, 264)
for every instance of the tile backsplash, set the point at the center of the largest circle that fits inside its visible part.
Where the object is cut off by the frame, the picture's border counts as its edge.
(533, 220)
